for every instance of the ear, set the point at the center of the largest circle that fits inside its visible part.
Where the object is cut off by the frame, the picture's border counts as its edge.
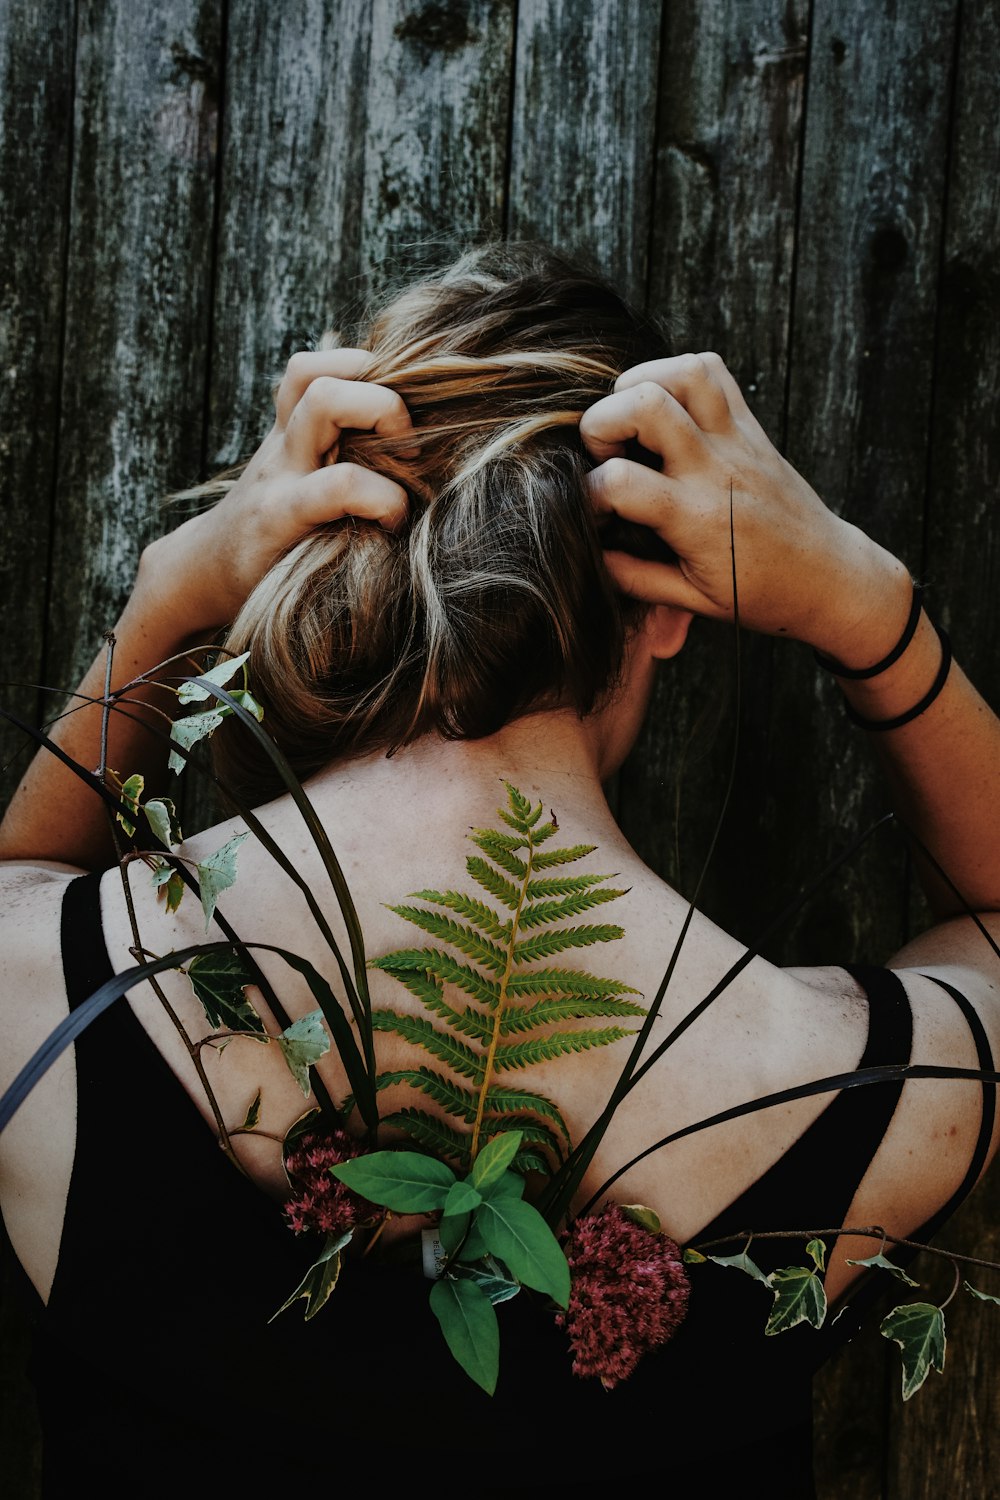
(665, 629)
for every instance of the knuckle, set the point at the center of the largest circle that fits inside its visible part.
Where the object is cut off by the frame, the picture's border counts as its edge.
(617, 475)
(712, 360)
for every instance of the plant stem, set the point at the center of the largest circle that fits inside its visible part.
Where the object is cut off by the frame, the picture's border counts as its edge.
(864, 1231)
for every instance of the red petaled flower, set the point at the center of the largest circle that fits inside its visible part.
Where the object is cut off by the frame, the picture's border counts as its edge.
(628, 1294)
(324, 1203)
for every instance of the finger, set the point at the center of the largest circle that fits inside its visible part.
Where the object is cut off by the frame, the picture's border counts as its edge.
(307, 365)
(646, 412)
(329, 405)
(345, 489)
(636, 493)
(657, 583)
(700, 382)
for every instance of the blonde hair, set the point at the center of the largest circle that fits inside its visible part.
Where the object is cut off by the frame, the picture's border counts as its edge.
(493, 599)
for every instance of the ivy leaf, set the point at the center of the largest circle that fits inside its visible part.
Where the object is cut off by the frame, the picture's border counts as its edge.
(248, 701)
(983, 1296)
(498, 1288)
(741, 1262)
(131, 791)
(470, 1328)
(517, 1234)
(918, 1329)
(216, 873)
(320, 1279)
(161, 815)
(252, 1117)
(462, 1199)
(302, 1044)
(799, 1297)
(187, 732)
(645, 1217)
(816, 1250)
(220, 674)
(219, 980)
(404, 1181)
(882, 1263)
(493, 1161)
(167, 881)
(693, 1258)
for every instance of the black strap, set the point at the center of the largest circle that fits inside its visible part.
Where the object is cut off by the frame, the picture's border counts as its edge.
(861, 674)
(86, 965)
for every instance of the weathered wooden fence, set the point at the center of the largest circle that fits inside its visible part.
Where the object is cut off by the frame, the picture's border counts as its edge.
(193, 188)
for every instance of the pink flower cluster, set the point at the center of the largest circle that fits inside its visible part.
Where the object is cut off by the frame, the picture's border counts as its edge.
(324, 1203)
(629, 1293)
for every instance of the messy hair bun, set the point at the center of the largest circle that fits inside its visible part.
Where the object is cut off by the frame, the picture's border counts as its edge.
(493, 599)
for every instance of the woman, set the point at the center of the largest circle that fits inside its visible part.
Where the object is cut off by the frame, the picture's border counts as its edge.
(447, 577)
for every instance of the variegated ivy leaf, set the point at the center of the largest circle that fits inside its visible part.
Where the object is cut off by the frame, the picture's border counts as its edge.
(983, 1296)
(320, 1279)
(252, 1118)
(882, 1263)
(693, 1257)
(489, 1277)
(161, 815)
(918, 1329)
(816, 1250)
(220, 674)
(187, 732)
(741, 1262)
(799, 1297)
(167, 882)
(302, 1044)
(646, 1218)
(216, 873)
(219, 980)
(131, 791)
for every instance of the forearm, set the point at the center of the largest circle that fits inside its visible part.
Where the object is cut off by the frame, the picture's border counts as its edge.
(52, 815)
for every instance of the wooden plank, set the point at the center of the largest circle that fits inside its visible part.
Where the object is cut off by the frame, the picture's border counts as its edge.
(727, 160)
(583, 130)
(36, 103)
(137, 301)
(436, 148)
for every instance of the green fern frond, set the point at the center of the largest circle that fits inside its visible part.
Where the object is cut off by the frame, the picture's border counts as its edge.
(530, 1161)
(543, 832)
(488, 878)
(500, 854)
(455, 933)
(415, 1029)
(541, 913)
(442, 966)
(503, 1100)
(531, 1131)
(486, 919)
(572, 1008)
(544, 944)
(561, 885)
(489, 839)
(434, 1134)
(520, 805)
(545, 1048)
(452, 1097)
(566, 982)
(561, 856)
(469, 1022)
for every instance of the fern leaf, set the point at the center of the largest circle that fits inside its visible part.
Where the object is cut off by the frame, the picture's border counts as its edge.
(561, 885)
(546, 861)
(451, 1096)
(532, 817)
(545, 831)
(490, 839)
(572, 1008)
(520, 806)
(488, 878)
(566, 982)
(434, 1134)
(469, 1022)
(484, 917)
(513, 821)
(502, 1100)
(424, 1034)
(455, 933)
(545, 1048)
(503, 857)
(544, 944)
(531, 1132)
(442, 966)
(530, 1161)
(540, 913)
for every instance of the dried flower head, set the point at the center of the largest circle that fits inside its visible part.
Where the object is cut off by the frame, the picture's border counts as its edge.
(324, 1203)
(628, 1294)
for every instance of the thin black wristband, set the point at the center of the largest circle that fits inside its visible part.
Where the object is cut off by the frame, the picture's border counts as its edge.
(918, 708)
(860, 674)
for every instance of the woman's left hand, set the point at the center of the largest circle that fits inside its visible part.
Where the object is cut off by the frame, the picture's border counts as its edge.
(292, 484)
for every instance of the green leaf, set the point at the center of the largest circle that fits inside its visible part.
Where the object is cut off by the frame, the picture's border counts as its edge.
(320, 1279)
(543, 1048)
(220, 674)
(493, 1161)
(510, 1185)
(462, 1199)
(303, 1044)
(415, 1029)
(489, 1277)
(500, 855)
(452, 1230)
(485, 918)
(517, 1018)
(741, 1262)
(404, 1181)
(487, 877)
(167, 882)
(882, 1263)
(918, 1329)
(458, 1101)
(470, 1328)
(131, 791)
(187, 732)
(562, 885)
(443, 966)
(517, 1234)
(252, 1117)
(553, 857)
(433, 1134)
(816, 1250)
(248, 701)
(216, 873)
(502, 1100)
(455, 933)
(540, 913)
(161, 815)
(566, 982)
(544, 944)
(219, 980)
(646, 1218)
(983, 1296)
(799, 1297)
(695, 1258)
(431, 992)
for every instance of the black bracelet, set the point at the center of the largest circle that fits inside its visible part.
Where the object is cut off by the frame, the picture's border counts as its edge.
(918, 708)
(860, 674)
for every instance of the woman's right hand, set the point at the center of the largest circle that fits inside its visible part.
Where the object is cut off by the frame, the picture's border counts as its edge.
(800, 570)
(292, 484)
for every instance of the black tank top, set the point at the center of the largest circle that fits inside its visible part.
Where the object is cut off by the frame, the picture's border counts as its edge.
(156, 1364)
